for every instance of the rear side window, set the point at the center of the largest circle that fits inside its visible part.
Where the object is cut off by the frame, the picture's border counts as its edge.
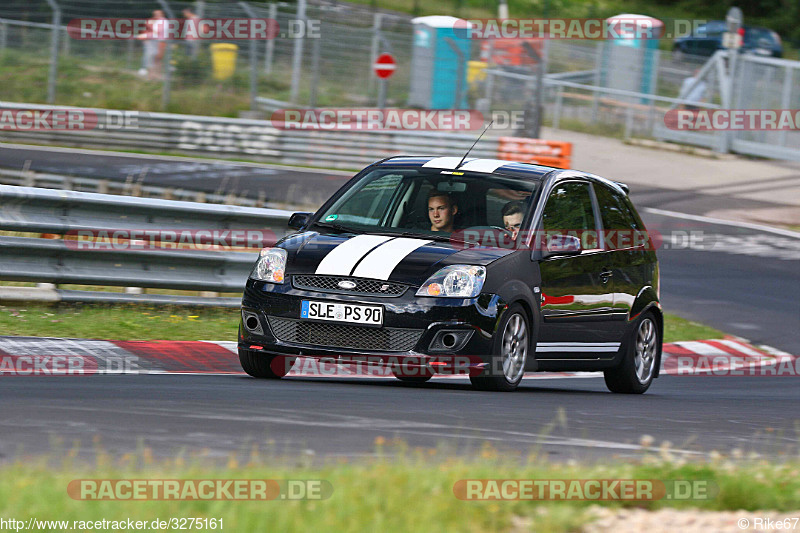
(614, 209)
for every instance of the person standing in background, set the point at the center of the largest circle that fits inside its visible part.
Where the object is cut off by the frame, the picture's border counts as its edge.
(155, 45)
(192, 42)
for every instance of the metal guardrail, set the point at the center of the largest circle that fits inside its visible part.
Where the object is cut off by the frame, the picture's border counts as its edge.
(32, 210)
(29, 178)
(254, 139)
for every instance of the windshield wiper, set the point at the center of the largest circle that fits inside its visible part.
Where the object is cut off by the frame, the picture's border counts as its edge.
(338, 227)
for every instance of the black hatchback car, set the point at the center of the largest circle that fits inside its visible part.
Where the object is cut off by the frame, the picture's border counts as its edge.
(492, 267)
(708, 39)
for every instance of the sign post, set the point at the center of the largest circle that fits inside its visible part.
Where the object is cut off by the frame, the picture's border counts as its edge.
(384, 67)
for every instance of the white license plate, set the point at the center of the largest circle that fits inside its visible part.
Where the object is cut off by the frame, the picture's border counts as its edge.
(338, 312)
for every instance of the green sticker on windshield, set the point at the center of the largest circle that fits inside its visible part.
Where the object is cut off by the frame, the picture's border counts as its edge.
(331, 217)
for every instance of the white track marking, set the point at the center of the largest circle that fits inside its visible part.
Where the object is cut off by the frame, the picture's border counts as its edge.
(723, 222)
(701, 348)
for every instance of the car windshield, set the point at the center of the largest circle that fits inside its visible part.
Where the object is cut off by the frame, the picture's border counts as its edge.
(432, 202)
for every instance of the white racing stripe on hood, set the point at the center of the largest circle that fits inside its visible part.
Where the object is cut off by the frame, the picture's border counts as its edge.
(380, 263)
(341, 260)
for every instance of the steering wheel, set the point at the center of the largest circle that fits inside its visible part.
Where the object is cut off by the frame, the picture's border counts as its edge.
(504, 230)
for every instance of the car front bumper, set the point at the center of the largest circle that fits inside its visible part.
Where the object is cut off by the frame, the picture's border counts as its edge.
(414, 328)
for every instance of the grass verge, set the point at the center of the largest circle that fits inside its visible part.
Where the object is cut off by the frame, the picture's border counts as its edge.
(138, 322)
(411, 491)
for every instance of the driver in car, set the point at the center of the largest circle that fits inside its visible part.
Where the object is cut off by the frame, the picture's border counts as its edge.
(441, 210)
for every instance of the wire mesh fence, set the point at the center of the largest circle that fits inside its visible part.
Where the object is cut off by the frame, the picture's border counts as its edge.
(323, 55)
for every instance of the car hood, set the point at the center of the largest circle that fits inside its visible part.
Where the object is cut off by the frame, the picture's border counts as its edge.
(400, 259)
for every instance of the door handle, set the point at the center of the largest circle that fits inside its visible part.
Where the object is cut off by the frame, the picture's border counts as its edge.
(605, 275)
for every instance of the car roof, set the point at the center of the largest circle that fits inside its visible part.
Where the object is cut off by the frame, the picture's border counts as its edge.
(499, 167)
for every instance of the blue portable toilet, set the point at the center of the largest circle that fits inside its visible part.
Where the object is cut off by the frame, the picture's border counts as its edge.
(439, 79)
(629, 57)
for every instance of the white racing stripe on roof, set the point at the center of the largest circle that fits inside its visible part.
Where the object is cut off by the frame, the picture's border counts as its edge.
(484, 165)
(380, 263)
(472, 164)
(444, 162)
(341, 260)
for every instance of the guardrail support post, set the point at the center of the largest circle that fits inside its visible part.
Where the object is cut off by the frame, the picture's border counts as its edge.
(53, 74)
(297, 58)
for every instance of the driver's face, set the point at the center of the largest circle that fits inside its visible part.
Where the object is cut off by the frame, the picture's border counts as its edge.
(512, 223)
(441, 213)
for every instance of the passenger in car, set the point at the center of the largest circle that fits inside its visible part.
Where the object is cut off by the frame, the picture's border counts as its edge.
(512, 217)
(441, 210)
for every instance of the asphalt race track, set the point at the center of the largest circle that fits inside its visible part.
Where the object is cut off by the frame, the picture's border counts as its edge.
(741, 280)
(328, 417)
(283, 184)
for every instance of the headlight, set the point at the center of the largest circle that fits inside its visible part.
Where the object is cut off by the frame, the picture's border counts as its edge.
(455, 281)
(271, 265)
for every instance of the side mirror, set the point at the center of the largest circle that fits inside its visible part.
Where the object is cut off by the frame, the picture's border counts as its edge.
(299, 220)
(563, 245)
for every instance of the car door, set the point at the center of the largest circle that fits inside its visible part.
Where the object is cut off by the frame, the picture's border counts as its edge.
(576, 296)
(627, 245)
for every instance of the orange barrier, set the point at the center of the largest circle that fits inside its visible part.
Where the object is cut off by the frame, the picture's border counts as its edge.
(538, 151)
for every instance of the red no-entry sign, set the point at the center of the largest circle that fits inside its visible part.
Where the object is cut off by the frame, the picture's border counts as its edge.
(384, 66)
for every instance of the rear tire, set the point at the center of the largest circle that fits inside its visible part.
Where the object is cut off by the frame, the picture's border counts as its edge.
(265, 366)
(512, 343)
(642, 352)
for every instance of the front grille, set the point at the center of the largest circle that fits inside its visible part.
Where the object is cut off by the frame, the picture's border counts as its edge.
(344, 336)
(373, 287)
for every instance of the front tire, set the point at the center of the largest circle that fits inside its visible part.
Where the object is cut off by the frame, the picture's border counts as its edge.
(265, 366)
(643, 351)
(507, 366)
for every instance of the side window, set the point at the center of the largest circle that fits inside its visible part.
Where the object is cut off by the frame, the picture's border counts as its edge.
(614, 210)
(569, 209)
(622, 227)
(505, 200)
